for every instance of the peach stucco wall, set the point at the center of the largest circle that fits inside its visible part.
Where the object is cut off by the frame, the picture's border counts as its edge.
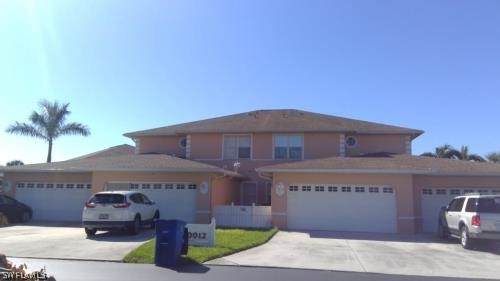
(13, 178)
(402, 184)
(225, 191)
(262, 146)
(377, 143)
(321, 145)
(206, 146)
(161, 144)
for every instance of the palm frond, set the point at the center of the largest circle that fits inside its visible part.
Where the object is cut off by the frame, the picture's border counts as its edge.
(493, 157)
(25, 130)
(40, 120)
(73, 129)
(452, 154)
(60, 114)
(476, 158)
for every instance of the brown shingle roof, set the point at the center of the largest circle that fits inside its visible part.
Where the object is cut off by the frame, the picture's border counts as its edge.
(388, 164)
(132, 163)
(124, 149)
(281, 120)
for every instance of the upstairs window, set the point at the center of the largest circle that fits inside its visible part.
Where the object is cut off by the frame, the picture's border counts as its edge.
(288, 147)
(237, 147)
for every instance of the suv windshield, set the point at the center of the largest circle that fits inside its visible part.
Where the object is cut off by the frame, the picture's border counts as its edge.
(489, 205)
(108, 199)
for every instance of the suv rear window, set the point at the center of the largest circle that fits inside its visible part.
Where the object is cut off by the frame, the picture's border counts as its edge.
(108, 199)
(471, 205)
(489, 205)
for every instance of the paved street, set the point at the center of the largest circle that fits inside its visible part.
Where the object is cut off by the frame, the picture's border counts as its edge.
(109, 271)
(368, 252)
(68, 242)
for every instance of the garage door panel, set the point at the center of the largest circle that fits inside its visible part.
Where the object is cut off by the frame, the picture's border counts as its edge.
(54, 204)
(342, 211)
(174, 204)
(175, 200)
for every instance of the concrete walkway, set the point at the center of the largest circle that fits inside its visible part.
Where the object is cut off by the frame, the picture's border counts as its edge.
(420, 255)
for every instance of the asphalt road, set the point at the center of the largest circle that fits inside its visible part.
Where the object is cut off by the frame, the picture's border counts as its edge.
(108, 271)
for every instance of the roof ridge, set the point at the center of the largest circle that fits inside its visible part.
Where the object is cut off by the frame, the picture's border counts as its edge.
(277, 120)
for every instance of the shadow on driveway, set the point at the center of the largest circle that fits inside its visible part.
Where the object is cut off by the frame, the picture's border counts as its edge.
(48, 224)
(187, 265)
(123, 236)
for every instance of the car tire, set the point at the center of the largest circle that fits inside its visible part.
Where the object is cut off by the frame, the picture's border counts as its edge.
(136, 225)
(155, 218)
(90, 231)
(465, 240)
(443, 232)
(25, 217)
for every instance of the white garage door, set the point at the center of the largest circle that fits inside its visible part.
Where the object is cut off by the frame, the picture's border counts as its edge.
(342, 207)
(54, 201)
(175, 200)
(435, 198)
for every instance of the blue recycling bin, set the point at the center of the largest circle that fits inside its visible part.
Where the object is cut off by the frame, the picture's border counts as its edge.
(169, 242)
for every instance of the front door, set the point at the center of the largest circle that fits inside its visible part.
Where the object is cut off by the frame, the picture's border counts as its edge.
(248, 193)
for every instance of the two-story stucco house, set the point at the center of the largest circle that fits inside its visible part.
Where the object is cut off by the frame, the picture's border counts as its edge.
(316, 171)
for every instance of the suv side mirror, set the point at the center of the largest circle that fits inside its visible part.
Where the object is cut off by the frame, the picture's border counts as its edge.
(445, 208)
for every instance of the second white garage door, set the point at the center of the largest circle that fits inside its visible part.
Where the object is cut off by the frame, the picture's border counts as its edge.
(342, 207)
(175, 200)
(435, 198)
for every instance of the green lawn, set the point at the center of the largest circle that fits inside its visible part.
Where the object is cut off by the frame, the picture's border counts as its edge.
(227, 241)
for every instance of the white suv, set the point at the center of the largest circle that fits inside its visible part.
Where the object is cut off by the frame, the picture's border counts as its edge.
(471, 217)
(118, 209)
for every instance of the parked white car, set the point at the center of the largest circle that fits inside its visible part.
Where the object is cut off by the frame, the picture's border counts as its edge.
(128, 210)
(471, 217)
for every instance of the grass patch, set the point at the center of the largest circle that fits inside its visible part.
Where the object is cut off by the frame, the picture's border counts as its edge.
(227, 241)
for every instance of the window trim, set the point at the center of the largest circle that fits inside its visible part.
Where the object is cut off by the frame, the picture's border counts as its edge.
(179, 142)
(238, 156)
(355, 141)
(256, 186)
(288, 134)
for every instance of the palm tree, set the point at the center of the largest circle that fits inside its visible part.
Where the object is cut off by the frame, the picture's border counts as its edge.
(49, 124)
(15, 163)
(464, 154)
(444, 151)
(493, 157)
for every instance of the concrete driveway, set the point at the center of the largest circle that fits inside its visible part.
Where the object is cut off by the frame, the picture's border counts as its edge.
(67, 242)
(377, 253)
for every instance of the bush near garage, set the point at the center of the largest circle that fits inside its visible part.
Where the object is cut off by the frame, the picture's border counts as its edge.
(7, 266)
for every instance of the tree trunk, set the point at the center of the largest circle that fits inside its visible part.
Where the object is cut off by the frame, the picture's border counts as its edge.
(49, 155)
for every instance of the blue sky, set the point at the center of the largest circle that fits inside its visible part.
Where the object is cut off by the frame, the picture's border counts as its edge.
(130, 65)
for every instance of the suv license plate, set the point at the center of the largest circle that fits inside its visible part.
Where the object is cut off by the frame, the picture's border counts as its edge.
(103, 216)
